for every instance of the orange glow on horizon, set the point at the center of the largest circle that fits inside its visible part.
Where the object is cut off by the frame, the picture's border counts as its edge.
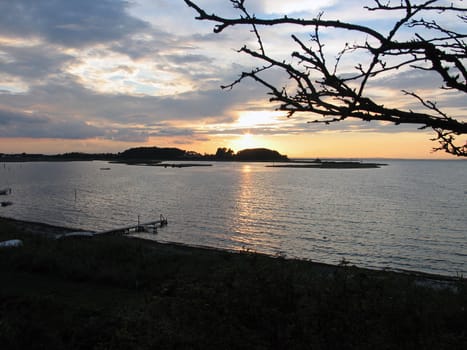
(408, 145)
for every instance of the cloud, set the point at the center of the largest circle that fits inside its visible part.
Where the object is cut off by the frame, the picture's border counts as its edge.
(62, 101)
(127, 135)
(69, 23)
(409, 79)
(32, 62)
(9, 117)
(148, 43)
(23, 124)
(143, 70)
(294, 6)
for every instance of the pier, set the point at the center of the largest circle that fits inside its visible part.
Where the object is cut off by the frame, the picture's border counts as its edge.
(150, 226)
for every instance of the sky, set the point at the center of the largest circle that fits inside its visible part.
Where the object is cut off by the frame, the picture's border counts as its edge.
(103, 76)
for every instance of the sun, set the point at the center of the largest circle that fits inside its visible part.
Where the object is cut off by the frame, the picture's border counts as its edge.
(245, 141)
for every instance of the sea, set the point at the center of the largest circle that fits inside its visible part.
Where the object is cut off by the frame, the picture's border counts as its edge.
(407, 215)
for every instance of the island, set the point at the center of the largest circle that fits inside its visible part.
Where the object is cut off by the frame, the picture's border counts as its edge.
(331, 164)
(153, 156)
(159, 156)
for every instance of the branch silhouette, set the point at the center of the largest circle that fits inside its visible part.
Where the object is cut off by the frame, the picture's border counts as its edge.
(326, 89)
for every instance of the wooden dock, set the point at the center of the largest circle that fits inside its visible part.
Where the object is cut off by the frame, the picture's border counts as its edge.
(141, 227)
(150, 226)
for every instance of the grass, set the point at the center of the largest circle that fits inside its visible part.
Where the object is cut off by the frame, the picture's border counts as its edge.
(121, 293)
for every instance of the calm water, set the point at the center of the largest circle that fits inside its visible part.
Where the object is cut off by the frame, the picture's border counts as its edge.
(408, 215)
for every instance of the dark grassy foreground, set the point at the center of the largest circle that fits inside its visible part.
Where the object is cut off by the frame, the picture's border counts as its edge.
(120, 293)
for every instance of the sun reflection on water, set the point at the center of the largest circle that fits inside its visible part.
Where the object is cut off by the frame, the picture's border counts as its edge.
(252, 211)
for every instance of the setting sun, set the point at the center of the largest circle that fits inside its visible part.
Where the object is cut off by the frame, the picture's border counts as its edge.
(245, 141)
(254, 124)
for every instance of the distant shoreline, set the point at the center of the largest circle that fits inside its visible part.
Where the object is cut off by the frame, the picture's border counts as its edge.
(153, 155)
(184, 163)
(329, 165)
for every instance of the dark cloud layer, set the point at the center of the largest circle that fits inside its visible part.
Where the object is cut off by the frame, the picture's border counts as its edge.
(21, 124)
(32, 62)
(69, 23)
(63, 105)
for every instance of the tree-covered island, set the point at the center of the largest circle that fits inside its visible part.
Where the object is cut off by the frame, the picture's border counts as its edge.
(154, 155)
(159, 156)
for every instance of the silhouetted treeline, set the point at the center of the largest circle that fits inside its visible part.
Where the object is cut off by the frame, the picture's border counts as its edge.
(72, 156)
(153, 154)
(222, 154)
(260, 154)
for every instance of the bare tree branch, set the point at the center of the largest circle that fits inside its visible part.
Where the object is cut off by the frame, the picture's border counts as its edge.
(320, 87)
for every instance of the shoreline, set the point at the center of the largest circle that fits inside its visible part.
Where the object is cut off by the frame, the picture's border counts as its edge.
(51, 231)
(116, 293)
(37, 228)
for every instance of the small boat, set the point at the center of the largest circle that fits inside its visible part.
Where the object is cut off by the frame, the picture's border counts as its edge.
(6, 203)
(5, 191)
(11, 243)
(105, 168)
(76, 234)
